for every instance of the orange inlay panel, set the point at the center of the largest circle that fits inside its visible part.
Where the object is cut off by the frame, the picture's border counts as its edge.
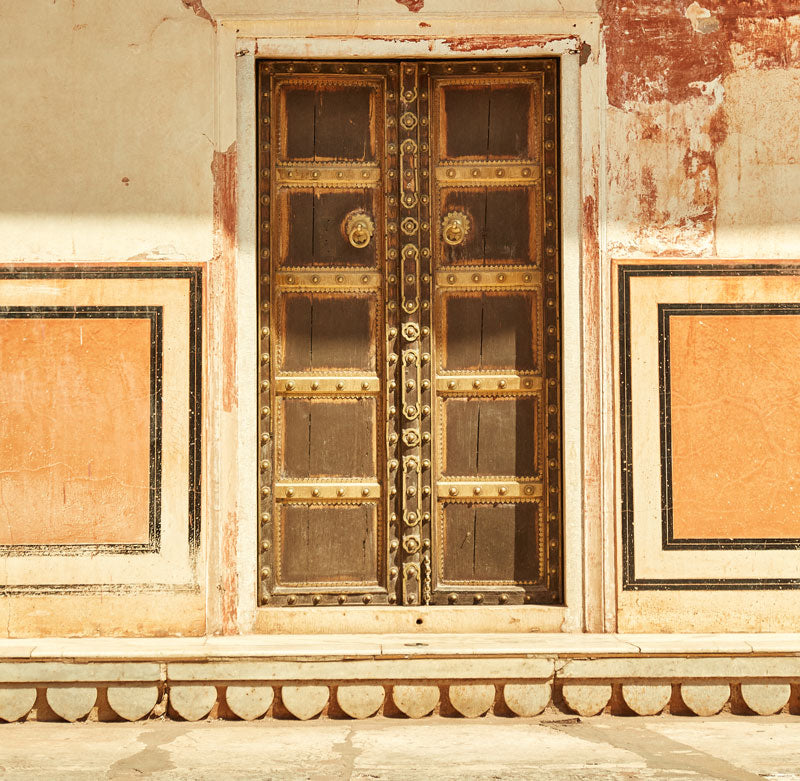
(735, 388)
(75, 430)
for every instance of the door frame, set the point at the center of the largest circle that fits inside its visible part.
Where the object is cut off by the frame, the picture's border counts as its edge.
(588, 487)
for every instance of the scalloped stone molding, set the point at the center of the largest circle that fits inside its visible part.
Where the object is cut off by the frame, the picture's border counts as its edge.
(362, 676)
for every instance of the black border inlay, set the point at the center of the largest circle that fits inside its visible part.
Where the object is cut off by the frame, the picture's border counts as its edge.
(630, 582)
(665, 313)
(194, 275)
(155, 314)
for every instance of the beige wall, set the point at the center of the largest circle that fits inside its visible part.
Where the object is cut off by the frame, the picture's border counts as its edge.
(119, 123)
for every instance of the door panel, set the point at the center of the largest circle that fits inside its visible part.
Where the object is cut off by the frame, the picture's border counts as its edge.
(409, 303)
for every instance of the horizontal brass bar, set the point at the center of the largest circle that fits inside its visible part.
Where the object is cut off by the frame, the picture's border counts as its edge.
(326, 491)
(493, 384)
(464, 174)
(489, 278)
(311, 385)
(329, 280)
(488, 490)
(330, 175)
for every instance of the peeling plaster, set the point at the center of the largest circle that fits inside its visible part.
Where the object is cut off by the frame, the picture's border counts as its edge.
(415, 6)
(196, 7)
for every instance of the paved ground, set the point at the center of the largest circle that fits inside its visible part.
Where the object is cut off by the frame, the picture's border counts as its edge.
(726, 747)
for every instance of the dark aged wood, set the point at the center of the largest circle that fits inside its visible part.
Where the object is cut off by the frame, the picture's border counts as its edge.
(410, 415)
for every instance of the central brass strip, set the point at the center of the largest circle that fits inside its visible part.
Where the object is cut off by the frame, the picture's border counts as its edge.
(320, 174)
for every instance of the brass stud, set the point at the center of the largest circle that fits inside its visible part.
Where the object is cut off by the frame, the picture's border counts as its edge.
(265, 466)
(451, 384)
(342, 599)
(340, 491)
(315, 385)
(476, 490)
(502, 490)
(475, 172)
(393, 464)
(451, 173)
(476, 277)
(476, 384)
(291, 599)
(264, 438)
(339, 385)
(393, 545)
(365, 491)
(365, 174)
(290, 279)
(501, 277)
(290, 492)
(289, 385)
(411, 490)
(264, 386)
(451, 278)
(501, 384)
(452, 598)
(528, 489)
(265, 517)
(478, 599)
(265, 546)
(340, 279)
(526, 278)
(426, 437)
(266, 572)
(500, 172)
(526, 171)
(392, 599)
(316, 599)
(264, 357)
(426, 384)
(366, 599)
(453, 491)
(265, 412)
(365, 385)
(340, 175)
(315, 492)
(503, 599)
(315, 174)
(265, 331)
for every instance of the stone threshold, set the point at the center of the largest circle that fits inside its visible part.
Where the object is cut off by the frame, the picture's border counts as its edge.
(357, 676)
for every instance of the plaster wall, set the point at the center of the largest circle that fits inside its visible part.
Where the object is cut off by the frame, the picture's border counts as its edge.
(119, 146)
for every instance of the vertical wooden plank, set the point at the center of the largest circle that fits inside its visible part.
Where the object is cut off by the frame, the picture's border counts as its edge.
(296, 437)
(342, 333)
(509, 109)
(507, 437)
(463, 315)
(328, 544)
(466, 122)
(299, 131)
(507, 226)
(507, 334)
(461, 437)
(298, 222)
(295, 332)
(343, 128)
(342, 438)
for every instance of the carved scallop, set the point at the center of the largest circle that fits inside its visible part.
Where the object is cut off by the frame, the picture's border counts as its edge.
(646, 699)
(249, 702)
(360, 702)
(71, 702)
(132, 702)
(416, 701)
(192, 702)
(472, 699)
(16, 702)
(705, 699)
(527, 699)
(766, 698)
(304, 702)
(587, 699)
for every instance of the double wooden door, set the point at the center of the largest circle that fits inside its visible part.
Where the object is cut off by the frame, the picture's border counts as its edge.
(409, 436)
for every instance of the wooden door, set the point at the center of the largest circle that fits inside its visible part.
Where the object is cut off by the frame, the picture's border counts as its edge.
(409, 304)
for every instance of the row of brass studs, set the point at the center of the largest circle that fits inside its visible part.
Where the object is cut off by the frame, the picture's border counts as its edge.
(266, 457)
(393, 501)
(480, 174)
(552, 556)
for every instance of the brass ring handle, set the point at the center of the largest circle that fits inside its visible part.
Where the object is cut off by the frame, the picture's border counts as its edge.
(359, 227)
(455, 227)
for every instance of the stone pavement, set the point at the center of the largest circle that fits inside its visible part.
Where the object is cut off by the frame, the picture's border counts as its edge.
(563, 748)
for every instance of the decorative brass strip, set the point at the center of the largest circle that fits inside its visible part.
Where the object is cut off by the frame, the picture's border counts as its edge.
(314, 385)
(318, 491)
(492, 384)
(490, 278)
(488, 490)
(329, 280)
(322, 175)
(482, 173)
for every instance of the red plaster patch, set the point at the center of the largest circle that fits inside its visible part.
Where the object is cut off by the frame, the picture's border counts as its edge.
(415, 6)
(479, 43)
(223, 169)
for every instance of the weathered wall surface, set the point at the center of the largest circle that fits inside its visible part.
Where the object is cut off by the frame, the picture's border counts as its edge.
(108, 159)
(703, 149)
(107, 128)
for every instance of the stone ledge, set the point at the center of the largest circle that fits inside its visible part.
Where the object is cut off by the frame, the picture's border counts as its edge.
(361, 676)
